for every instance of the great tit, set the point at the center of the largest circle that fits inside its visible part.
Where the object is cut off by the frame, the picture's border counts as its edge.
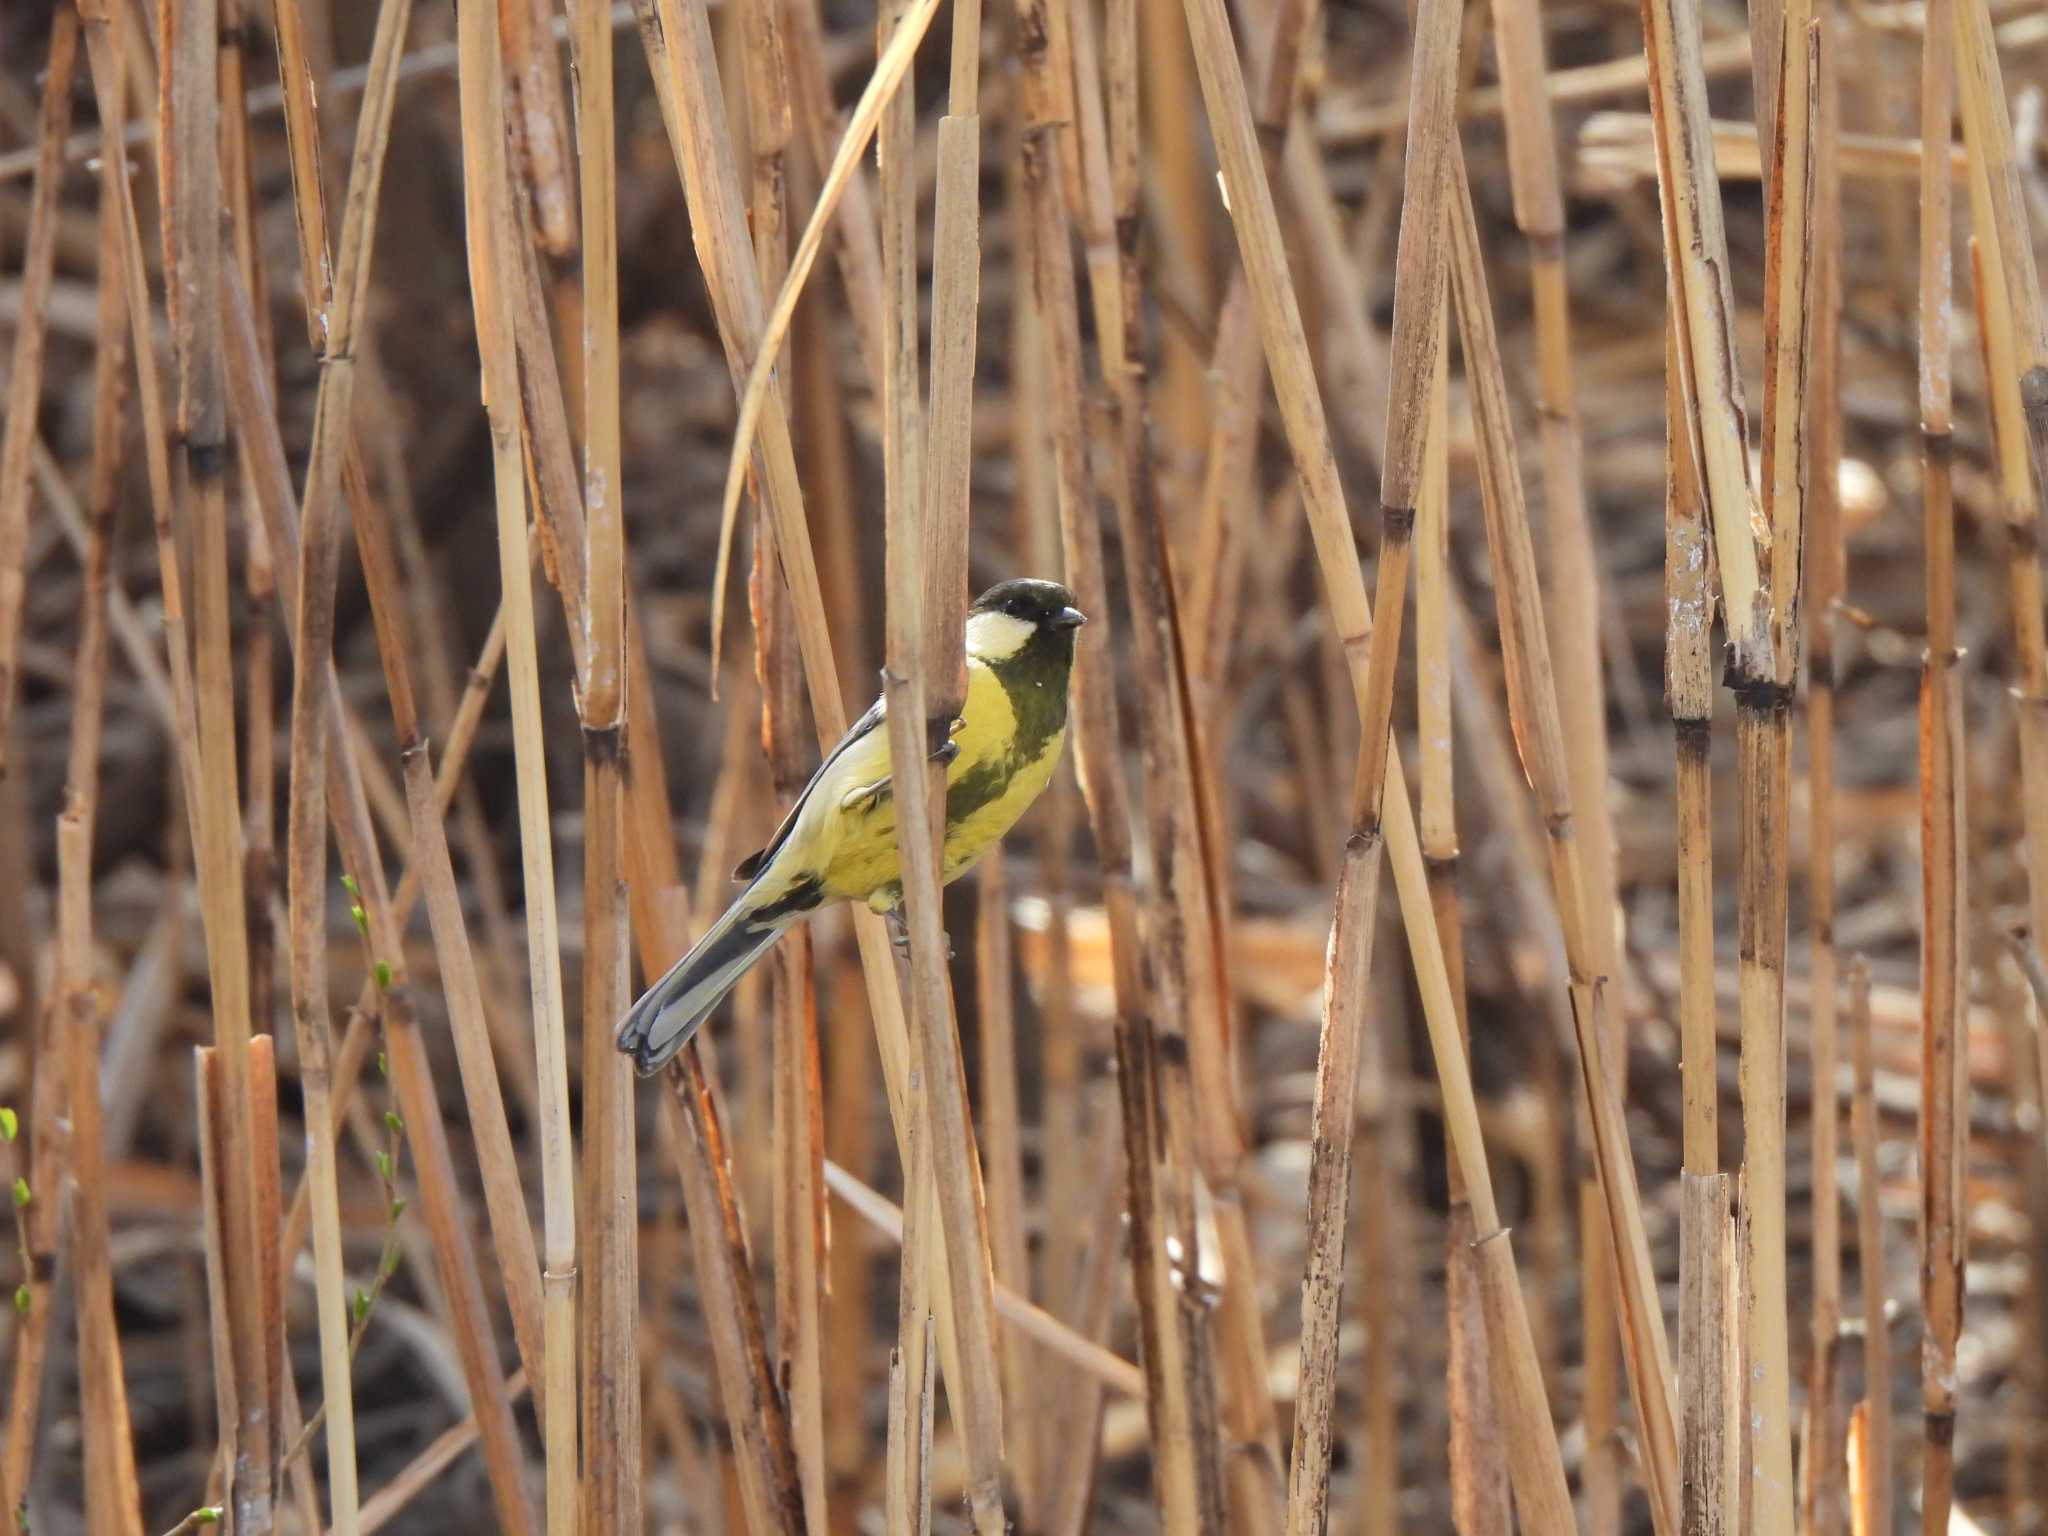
(838, 842)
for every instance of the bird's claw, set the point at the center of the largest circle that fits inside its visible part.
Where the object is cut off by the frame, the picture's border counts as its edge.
(899, 936)
(945, 755)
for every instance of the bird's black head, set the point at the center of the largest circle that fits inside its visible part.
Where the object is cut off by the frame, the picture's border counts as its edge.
(1025, 624)
(1033, 601)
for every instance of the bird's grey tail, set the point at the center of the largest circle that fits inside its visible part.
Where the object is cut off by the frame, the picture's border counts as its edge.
(669, 1012)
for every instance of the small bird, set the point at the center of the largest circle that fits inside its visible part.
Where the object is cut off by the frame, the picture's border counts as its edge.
(838, 842)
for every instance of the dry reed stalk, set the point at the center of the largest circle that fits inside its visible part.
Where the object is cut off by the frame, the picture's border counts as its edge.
(1198, 1109)
(1711, 1392)
(1872, 1488)
(1076, 1130)
(848, 1270)
(1384, 1223)
(766, 1466)
(797, 1109)
(1339, 123)
(1537, 1471)
(1942, 904)
(1537, 720)
(1003, 1168)
(859, 248)
(755, 348)
(1575, 590)
(609, 1261)
(259, 577)
(47, 1110)
(1184, 1469)
(25, 366)
(1479, 1480)
(430, 795)
(189, 171)
(264, 456)
(303, 147)
(1237, 367)
(2010, 320)
(487, 199)
(1345, 997)
(106, 49)
(1030, 1320)
(213, 1238)
(1689, 698)
(1619, 146)
(907, 1488)
(1417, 346)
(307, 822)
(769, 1483)
(1763, 645)
(1826, 1510)
(925, 683)
(113, 1500)
(455, 1265)
(1758, 615)
(796, 1089)
(677, 39)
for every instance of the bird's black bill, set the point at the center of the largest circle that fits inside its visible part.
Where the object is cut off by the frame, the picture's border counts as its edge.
(1069, 618)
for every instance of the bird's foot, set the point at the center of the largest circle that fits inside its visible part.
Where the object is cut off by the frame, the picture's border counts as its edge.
(899, 935)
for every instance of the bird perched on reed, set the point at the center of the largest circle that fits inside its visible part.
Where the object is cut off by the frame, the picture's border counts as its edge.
(838, 842)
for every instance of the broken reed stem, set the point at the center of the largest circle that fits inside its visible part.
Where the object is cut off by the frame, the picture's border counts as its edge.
(1689, 697)
(1710, 1389)
(1827, 1510)
(191, 197)
(25, 366)
(1873, 1489)
(608, 1264)
(487, 196)
(1764, 658)
(1715, 443)
(1942, 902)
(1539, 732)
(1538, 1473)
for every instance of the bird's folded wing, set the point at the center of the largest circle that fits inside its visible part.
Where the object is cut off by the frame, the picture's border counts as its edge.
(864, 744)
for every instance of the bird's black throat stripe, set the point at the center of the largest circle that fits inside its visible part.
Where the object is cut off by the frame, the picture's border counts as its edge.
(1035, 682)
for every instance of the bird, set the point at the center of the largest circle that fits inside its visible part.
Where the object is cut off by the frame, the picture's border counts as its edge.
(838, 841)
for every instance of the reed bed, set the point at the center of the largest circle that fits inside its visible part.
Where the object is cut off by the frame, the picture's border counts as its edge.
(1666, 1155)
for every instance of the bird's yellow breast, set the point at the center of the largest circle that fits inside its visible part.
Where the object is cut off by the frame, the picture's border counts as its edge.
(989, 785)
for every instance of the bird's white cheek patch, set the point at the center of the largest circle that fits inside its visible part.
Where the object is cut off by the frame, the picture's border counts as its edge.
(996, 635)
